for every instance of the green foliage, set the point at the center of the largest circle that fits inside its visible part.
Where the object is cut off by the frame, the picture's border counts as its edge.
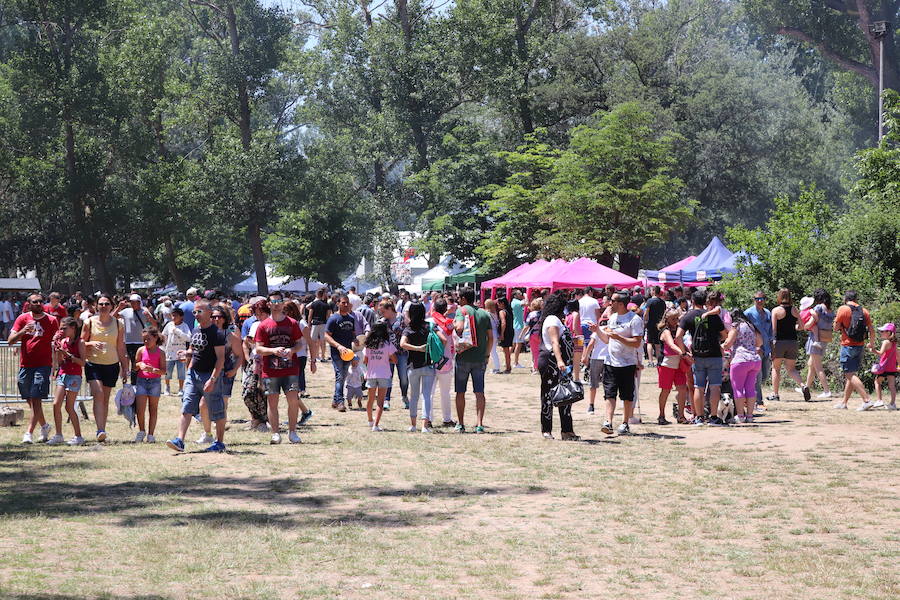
(612, 191)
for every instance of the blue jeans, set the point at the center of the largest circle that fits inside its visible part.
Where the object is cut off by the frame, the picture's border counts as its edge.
(421, 380)
(761, 376)
(402, 373)
(707, 370)
(340, 375)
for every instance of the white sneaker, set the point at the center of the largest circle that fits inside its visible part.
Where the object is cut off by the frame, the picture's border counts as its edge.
(427, 430)
(840, 406)
(412, 429)
(56, 440)
(824, 395)
(276, 439)
(623, 429)
(206, 439)
(376, 428)
(26, 438)
(878, 404)
(151, 439)
(139, 437)
(45, 433)
(865, 406)
(76, 441)
(168, 392)
(371, 424)
(293, 437)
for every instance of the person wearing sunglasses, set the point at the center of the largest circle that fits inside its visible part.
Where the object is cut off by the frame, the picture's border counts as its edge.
(35, 330)
(761, 317)
(107, 358)
(204, 378)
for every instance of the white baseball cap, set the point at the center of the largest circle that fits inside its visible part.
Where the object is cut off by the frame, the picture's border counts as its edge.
(806, 302)
(135, 298)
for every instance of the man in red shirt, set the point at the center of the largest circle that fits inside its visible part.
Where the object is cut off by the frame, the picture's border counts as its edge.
(54, 308)
(854, 324)
(277, 343)
(35, 329)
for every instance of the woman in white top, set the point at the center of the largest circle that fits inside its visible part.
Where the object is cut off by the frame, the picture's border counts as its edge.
(557, 350)
(491, 307)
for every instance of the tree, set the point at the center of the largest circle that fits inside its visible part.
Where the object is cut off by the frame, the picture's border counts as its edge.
(612, 191)
(841, 30)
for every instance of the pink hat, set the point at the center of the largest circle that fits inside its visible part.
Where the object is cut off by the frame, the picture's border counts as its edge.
(888, 327)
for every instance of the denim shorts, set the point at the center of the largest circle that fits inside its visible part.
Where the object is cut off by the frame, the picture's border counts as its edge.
(276, 385)
(172, 365)
(227, 386)
(34, 382)
(148, 386)
(378, 382)
(461, 377)
(851, 358)
(193, 390)
(707, 370)
(70, 383)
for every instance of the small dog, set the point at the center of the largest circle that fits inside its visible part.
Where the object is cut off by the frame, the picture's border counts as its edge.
(726, 409)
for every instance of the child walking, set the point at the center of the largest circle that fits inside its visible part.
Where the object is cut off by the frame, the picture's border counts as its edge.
(151, 366)
(378, 356)
(70, 353)
(886, 369)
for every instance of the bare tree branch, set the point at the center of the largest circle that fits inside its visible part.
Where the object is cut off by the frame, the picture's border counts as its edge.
(209, 5)
(848, 63)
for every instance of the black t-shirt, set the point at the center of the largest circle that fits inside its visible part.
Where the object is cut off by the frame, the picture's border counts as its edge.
(417, 337)
(656, 308)
(715, 325)
(333, 307)
(203, 343)
(319, 311)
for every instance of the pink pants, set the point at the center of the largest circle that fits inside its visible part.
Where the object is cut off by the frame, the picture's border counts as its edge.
(743, 378)
(534, 343)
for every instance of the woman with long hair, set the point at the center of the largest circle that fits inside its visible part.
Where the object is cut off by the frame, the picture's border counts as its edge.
(70, 353)
(746, 361)
(557, 350)
(107, 358)
(506, 332)
(674, 368)
(784, 323)
(490, 305)
(421, 367)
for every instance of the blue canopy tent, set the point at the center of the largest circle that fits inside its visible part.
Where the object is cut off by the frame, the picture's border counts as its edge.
(715, 261)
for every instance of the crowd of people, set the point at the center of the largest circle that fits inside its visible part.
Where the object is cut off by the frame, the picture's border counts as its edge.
(716, 359)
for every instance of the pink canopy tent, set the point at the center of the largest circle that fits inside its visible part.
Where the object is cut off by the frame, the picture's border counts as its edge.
(585, 272)
(505, 279)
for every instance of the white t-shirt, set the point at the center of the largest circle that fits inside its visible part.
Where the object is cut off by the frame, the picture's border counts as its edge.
(588, 309)
(600, 350)
(550, 322)
(177, 336)
(355, 301)
(7, 315)
(627, 325)
(304, 344)
(252, 336)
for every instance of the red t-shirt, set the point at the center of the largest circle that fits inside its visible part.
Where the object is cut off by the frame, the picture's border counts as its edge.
(68, 366)
(279, 334)
(59, 312)
(37, 347)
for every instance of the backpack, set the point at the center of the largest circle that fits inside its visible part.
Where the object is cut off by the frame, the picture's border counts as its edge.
(857, 329)
(702, 340)
(435, 347)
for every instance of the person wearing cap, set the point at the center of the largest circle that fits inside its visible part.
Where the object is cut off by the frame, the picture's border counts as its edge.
(819, 321)
(886, 368)
(188, 307)
(135, 318)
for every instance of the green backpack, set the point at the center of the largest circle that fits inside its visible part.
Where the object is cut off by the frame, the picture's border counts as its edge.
(435, 346)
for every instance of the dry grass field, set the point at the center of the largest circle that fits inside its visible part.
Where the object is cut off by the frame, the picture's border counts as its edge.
(803, 504)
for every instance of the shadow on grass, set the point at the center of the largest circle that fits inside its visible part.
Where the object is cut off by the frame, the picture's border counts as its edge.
(44, 596)
(447, 491)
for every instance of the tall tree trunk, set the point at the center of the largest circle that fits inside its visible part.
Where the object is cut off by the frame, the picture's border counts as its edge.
(523, 25)
(253, 227)
(606, 259)
(420, 137)
(629, 264)
(259, 260)
(171, 263)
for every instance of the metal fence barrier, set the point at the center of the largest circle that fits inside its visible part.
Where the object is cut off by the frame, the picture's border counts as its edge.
(9, 378)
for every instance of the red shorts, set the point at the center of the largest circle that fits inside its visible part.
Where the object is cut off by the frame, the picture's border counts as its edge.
(668, 377)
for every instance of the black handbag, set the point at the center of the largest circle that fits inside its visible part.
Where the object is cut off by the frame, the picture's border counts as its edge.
(566, 391)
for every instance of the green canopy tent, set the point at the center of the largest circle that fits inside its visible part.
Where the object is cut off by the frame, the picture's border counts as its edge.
(471, 276)
(433, 285)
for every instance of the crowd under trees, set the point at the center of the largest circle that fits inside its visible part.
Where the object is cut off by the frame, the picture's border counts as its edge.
(190, 141)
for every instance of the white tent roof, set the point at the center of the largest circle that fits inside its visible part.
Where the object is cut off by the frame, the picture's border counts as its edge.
(19, 284)
(249, 284)
(301, 285)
